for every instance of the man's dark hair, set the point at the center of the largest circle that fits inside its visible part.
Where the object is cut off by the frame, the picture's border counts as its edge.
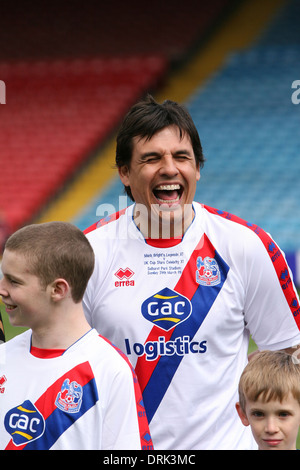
(145, 119)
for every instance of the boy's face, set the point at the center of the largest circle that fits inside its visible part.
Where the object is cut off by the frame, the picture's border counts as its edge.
(274, 424)
(25, 299)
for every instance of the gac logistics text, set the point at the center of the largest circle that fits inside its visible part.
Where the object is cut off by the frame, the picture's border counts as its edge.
(153, 349)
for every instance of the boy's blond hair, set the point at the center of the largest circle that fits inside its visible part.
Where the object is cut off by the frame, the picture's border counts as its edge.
(269, 375)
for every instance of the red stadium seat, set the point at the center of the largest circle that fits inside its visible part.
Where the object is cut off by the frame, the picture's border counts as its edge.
(59, 111)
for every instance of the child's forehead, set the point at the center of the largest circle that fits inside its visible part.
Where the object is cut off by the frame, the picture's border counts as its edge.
(12, 255)
(15, 262)
(264, 401)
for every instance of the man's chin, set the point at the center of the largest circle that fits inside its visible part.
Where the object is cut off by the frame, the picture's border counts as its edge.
(173, 219)
(167, 207)
(165, 220)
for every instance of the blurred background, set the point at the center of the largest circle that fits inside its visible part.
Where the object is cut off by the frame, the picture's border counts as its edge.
(73, 69)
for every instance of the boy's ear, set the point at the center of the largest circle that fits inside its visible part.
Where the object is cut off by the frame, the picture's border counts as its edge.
(241, 414)
(59, 289)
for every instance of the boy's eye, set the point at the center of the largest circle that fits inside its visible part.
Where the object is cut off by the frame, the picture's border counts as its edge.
(284, 414)
(12, 281)
(257, 414)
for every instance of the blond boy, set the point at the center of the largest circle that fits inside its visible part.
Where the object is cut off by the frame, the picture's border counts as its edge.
(269, 400)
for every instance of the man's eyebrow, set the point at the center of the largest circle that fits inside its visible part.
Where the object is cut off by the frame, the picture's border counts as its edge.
(145, 155)
(183, 152)
(154, 153)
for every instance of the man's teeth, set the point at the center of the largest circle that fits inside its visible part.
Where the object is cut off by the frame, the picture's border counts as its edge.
(169, 201)
(168, 187)
(168, 193)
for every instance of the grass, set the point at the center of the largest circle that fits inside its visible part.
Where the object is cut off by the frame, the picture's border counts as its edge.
(10, 331)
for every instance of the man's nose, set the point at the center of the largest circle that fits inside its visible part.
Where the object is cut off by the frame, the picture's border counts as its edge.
(168, 166)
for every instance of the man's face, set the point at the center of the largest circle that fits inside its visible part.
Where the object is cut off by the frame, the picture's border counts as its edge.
(163, 175)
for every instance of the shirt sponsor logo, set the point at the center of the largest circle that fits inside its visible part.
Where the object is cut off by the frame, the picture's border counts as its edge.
(2, 382)
(154, 349)
(124, 276)
(24, 423)
(166, 309)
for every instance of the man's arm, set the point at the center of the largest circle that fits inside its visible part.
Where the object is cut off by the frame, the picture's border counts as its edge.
(293, 351)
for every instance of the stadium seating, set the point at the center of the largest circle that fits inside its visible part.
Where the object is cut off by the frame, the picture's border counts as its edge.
(44, 141)
(115, 28)
(248, 125)
(250, 134)
(249, 130)
(70, 77)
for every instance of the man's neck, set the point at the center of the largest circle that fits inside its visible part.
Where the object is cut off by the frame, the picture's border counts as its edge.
(165, 225)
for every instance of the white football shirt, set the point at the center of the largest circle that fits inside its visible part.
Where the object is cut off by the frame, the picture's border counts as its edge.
(183, 315)
(86, 399)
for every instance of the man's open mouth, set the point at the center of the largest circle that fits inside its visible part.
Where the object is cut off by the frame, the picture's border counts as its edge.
(168, 193)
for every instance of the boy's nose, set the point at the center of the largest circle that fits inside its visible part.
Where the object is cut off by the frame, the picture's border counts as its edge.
(3, 291)
(271, 425)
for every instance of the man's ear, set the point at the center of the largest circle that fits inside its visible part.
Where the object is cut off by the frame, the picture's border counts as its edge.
(59, 289)
(241, 414)
(198, 174)
(124, 174)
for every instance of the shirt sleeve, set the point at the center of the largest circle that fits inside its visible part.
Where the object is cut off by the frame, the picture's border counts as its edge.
(272, 312)
(126, 426)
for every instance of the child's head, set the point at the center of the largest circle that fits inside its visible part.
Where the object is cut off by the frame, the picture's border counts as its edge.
(269, 399)
(55, 250)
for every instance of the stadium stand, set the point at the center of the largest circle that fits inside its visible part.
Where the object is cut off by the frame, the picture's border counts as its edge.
(250, 133)
(257, 144)
(94, 28)
(247, 122)
(44, 141)
(250, 130)
(70, 77)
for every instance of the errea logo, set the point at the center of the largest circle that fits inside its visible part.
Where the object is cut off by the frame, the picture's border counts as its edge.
(166, 309)
(124, 276)
(2, 382)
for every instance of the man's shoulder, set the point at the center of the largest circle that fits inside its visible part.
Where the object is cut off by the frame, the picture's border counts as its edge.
(234, 222)
(105, 221)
